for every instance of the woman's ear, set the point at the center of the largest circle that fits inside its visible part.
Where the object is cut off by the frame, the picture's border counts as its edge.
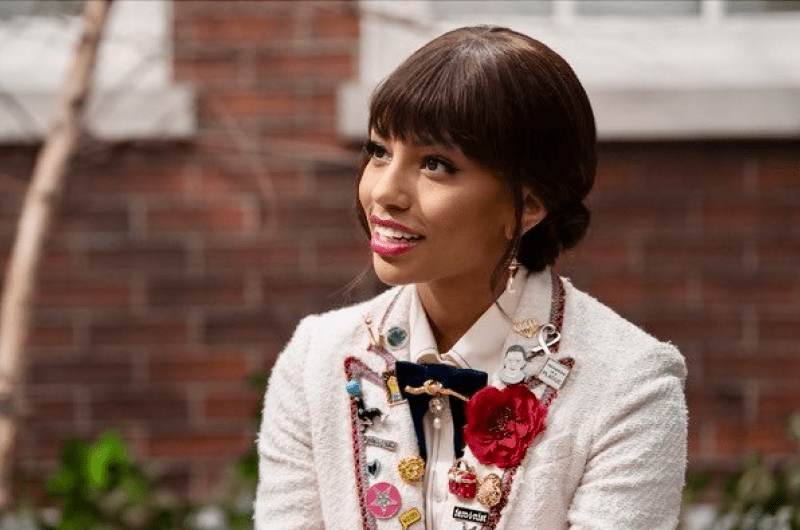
(533, 211)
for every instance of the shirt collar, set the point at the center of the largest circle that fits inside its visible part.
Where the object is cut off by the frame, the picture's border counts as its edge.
(480, 346)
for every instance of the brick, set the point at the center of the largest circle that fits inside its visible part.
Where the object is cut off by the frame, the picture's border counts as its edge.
(233, 29)
(178, 291)
(243, 328)
(50, 409)
(703, 167)
(50, 335)
(322, 102)
(693, 326)
(136, 175)
(8, 224)
(626, 291)
(780, 402)
(56, 259)
(616, 171)
(640, 214)
(74, 291)
(115, 371)
(764, 290)
(670, 254)
(199, 445)
(217, 181)
(208, 217)
(779, 327)
(249, 103)
(251, 255)
(751, 215)
(204, 70)
(736, 439)
(91, 218)
(230, 404)
(132, 255)
(152, 404)
(337, 66)
(779, 169)
(609, 255)
(720, 401)
(779, 254)
(751, 367)
(310, 215)
(225, 365)
(137, 330)
(335, 24)
(342, 256)
(305, 295)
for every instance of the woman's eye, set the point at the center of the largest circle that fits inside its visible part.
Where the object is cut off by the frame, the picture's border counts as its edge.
(436, 164)
(375, 150)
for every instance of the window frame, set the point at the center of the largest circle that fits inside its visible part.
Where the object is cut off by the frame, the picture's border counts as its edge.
(133, 98)
(709, 76)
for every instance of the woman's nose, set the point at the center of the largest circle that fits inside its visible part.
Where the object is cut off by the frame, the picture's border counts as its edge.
(392, 187)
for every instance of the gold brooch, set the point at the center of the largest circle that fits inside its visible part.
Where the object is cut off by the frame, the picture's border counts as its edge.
(527, 328)
(411, 468)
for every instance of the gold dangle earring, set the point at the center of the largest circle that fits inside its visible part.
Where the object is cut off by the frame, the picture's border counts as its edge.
(512, 271)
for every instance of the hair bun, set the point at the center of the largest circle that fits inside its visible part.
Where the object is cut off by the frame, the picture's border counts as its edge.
(560, 230)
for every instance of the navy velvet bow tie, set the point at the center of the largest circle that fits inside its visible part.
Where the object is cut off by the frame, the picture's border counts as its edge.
(462, 380)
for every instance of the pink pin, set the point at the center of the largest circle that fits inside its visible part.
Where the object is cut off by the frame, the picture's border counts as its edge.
(383, 500)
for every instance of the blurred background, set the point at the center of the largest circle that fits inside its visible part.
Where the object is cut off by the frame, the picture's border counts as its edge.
(209, 206)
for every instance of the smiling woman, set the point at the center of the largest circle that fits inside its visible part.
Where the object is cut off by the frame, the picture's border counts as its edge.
(482, 390)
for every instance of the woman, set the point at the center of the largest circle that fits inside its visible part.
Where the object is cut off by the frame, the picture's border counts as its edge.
(482, 391)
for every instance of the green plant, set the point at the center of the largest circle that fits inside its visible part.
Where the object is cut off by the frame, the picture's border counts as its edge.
(101, 487)
(98, 486)
(763, 496)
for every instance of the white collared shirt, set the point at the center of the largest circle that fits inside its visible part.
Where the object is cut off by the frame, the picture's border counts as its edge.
(478, 349)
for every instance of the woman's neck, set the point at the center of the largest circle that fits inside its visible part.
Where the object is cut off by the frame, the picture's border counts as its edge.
(452, 310)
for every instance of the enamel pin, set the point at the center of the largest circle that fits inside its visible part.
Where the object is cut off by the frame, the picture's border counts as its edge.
(373, 468)
(410, 517)
(411, 469)
(393, 389)
(527, 328)
(383, 500)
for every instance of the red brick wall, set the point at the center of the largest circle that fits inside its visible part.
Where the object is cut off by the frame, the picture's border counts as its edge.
(699, 242)
(176, 269)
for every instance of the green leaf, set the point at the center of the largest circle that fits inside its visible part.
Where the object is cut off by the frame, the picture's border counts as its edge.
(106, 452)
(67, 479)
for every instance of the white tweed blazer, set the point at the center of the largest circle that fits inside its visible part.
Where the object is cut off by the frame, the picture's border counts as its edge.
(612, 457)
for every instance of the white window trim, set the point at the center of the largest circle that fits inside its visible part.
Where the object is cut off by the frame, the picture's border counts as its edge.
(133, 97)
(648, 78)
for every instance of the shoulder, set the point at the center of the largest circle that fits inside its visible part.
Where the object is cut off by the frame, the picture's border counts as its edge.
(614, 345)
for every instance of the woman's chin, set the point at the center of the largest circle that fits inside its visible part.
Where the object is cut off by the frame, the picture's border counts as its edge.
(392, 273)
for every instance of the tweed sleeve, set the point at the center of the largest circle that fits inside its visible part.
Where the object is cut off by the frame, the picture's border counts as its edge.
(287, 496)
(635, 471)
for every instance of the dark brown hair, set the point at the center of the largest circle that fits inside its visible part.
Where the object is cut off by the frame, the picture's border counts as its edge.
(515, 107)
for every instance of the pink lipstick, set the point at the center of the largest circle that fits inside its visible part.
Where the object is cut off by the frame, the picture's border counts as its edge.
(390, 238)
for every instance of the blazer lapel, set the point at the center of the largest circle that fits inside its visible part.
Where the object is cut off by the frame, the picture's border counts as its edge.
(379, 448)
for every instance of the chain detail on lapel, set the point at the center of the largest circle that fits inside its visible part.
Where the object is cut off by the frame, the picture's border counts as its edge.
(356, 369)
(557, 318)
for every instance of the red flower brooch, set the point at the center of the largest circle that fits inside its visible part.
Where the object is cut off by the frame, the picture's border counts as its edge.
(501, 424)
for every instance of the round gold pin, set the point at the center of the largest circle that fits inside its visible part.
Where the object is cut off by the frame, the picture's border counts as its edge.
(411, 469)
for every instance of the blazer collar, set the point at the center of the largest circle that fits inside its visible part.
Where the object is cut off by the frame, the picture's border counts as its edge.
(534, 303)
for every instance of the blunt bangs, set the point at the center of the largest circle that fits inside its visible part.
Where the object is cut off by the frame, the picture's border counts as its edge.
(435, 97)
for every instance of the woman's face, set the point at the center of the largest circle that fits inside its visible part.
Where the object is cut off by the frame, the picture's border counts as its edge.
(434, 215)
(515, 360)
